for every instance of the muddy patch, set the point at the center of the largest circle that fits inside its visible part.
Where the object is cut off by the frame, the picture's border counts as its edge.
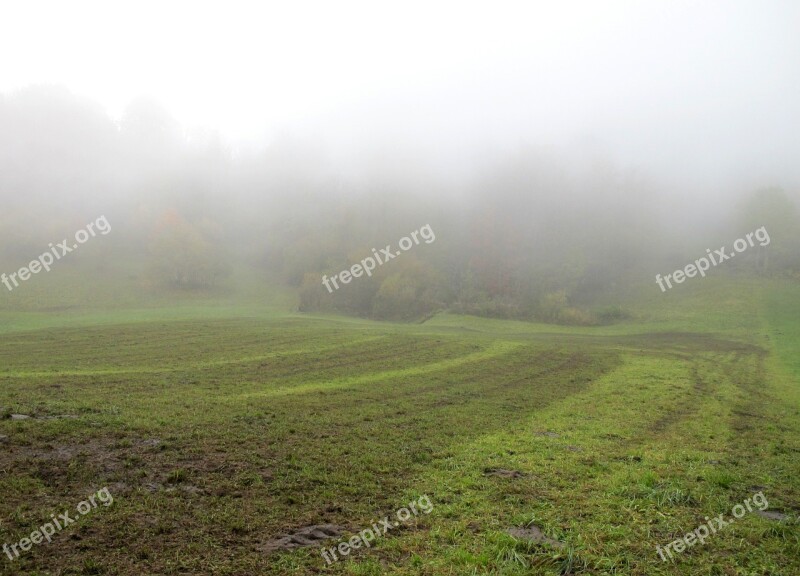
(189, 489)
(152, 487)
(534, 534)
(503, 473)
(308, 536)
(150, 443)
(94, 450)
(120, 488)
(772, 515)
(29, 417)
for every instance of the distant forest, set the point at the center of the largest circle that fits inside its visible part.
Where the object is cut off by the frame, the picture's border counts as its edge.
(532, 235)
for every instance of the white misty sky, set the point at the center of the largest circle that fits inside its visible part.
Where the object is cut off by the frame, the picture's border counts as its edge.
(708, 88)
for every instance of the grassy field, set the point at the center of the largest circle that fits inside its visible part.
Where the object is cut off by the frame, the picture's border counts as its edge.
(218, 429)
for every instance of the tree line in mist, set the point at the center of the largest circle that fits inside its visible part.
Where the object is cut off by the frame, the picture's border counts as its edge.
(532, 235)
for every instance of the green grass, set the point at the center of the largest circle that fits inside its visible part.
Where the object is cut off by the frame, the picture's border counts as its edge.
(222, 424)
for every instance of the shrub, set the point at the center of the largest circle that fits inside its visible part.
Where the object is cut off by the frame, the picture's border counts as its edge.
(576, 317)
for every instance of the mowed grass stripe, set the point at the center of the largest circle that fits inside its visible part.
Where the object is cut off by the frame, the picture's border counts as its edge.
(197, 393)
(493, 351)
(201, 402)
(187, 367)
(283, 368)
(135, 345)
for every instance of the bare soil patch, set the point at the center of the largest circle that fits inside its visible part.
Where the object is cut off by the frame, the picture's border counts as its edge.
(534, 534)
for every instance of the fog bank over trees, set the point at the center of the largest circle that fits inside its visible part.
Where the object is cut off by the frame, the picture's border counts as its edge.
(533, 233)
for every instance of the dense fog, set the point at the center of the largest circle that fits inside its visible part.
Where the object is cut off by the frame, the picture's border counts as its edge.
(561, 156)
